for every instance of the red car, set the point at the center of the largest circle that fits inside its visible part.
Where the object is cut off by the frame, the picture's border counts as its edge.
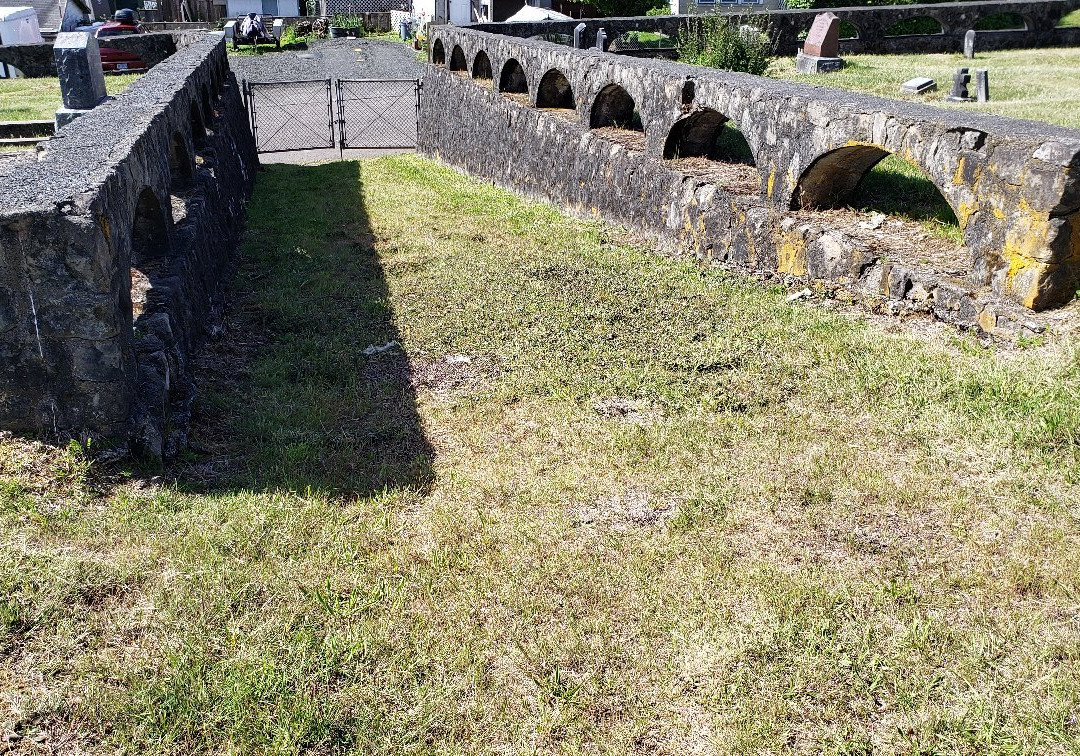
(119, 61)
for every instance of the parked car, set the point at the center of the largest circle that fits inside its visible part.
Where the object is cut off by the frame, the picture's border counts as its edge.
(119, 61)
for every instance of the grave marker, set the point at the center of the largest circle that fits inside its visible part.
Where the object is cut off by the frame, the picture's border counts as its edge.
(821, 51)
(969, 43)
(982, 85)
(78, 65)
(959, 91)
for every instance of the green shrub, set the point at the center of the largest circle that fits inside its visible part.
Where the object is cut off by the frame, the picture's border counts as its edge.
(660, 10)
(718, 41)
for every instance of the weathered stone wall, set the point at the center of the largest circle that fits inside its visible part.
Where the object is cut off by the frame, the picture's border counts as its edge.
(1040, 16)
(115, 244)
(36, 60)
(1014, 185)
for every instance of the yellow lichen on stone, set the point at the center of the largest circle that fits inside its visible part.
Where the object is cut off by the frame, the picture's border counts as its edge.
(792, 255)
(1024, 245)
(105, 227)
(987, 321)
(958, 177)
(771, 183)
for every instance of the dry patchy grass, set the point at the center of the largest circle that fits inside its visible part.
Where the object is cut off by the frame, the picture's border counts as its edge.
(596, 501)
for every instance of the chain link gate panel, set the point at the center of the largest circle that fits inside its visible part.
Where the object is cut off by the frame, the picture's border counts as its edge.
(378, 113)
(291, 115)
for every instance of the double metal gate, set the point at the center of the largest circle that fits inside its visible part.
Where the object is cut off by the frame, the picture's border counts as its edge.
(324, 114)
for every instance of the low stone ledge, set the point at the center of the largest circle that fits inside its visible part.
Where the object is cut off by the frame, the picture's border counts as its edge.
(553, 159)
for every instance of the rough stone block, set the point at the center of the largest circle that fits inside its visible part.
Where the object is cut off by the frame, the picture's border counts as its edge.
(813, 64)
(78, 64)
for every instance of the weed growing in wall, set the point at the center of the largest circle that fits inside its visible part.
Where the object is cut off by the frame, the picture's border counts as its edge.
(733, 43)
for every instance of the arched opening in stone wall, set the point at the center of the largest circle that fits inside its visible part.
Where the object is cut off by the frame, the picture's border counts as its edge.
(894, 191)
(615, 116)
(8, 71)
(481, 67)
(149, 248)
(1004, 21)
(914, 27)
(705, 144)
(198, 131)
(614, 106)
(512, 81)
(179, 164)
(555, 91)
(1069, 21)
(207, 106)
(457, 60)
(438, 53)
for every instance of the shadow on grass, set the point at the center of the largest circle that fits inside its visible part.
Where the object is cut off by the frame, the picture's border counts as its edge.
(308, 388)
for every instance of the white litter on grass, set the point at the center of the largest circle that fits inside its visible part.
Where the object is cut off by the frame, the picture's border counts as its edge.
(458, 359)
(374, 349)
(804, 294)
(876, 219)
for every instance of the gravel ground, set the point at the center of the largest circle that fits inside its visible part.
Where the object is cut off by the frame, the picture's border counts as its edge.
(331, 59)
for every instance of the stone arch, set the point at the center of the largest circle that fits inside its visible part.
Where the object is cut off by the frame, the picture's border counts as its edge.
(207, 106)
(1003, 21)
(457, 60)
(707, 133)
(834, 178)
(10, 70)
(914, 27)
(149, 247)
(555, 91)
(481, 67)
(438, 53)
(513, 79)
(198, 130)
(179, 164)
(613, 106)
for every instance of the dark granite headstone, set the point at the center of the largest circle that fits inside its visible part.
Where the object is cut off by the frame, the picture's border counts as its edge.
(960, 81)
(982, 85)
(823, 39)
(78, 64)
(969, 43)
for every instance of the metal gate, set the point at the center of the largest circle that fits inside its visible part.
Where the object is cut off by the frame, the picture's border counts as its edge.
(378, 114)
(291, 115)
(302, 115)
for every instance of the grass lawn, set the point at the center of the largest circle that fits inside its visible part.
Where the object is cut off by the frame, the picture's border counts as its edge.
(592, 501)
(1041, 85)
(38, 99)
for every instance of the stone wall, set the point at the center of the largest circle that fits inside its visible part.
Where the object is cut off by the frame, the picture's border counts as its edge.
(36, 60)
(116, 242)
(1040, 16)
(1014, 185)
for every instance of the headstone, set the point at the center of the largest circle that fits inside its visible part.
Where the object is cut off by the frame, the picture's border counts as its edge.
(969, 43)
(982, 85)
(601, 39)
(78, 65)
(579, 30)
(959, 91)
(919, 85)
(821, 51)
(823, 39)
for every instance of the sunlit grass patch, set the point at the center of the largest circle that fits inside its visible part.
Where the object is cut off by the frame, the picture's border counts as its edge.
(38, 99)
(593, 500)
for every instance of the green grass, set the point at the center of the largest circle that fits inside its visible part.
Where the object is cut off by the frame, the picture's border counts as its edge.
(660, 510)
(1040, 85)
(38, 99)
(1070, 20)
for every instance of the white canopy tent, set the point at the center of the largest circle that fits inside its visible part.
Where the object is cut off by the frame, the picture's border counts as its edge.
(532, 13)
